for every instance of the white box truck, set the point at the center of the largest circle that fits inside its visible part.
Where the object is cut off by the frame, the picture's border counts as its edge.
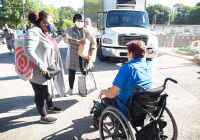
(119, 22)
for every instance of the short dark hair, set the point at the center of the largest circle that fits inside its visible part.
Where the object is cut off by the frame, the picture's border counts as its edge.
(36, 18)
(78, 16)
(137, 47)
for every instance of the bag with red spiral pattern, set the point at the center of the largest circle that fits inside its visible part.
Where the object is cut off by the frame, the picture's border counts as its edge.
(23, 66)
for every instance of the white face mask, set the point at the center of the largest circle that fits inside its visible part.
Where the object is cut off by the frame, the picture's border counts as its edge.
(79, 24)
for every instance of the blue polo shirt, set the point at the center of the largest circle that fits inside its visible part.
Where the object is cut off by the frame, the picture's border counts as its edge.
(137, 71)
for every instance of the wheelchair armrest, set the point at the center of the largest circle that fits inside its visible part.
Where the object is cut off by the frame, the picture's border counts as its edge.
(121, 102)
(139, 87)
(133, 91)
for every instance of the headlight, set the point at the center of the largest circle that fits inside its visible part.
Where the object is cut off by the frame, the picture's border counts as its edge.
(153, 42)
(107, 41)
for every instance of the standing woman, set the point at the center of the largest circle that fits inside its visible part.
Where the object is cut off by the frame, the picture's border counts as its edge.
(74, 61)
(42, 50)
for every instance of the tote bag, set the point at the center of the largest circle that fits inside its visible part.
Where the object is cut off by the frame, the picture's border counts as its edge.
(23, 66)
(86, 84)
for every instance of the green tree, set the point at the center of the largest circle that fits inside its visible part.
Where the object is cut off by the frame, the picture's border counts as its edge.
(161, 11)
(66, 13)
(67, 23)
(12, 12)
(182, 15)
(194, 15)
(198, 4)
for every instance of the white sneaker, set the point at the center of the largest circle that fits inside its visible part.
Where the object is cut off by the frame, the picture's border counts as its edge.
(69, 92)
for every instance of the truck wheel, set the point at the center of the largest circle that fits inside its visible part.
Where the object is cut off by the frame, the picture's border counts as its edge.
(100, 56)
(149, 59)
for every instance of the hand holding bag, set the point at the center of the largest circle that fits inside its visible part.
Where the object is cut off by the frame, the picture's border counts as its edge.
(53, 69)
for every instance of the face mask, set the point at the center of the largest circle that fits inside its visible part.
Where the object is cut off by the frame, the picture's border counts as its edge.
(79, 24)
(51, 27)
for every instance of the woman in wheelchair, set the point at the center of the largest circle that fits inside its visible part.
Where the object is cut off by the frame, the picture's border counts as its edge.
(137, 71)
(131, 103)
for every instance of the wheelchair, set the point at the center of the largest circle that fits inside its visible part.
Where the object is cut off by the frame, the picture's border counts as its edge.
(147, 118)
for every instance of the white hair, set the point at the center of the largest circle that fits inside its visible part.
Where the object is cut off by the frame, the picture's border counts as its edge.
(88, 21)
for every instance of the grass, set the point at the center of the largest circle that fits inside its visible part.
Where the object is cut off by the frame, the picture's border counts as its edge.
(188, 49)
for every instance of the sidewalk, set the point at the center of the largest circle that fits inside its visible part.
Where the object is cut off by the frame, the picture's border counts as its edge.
(169, 51)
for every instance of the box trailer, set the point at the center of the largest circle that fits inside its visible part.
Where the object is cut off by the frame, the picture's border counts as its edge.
(119, 22)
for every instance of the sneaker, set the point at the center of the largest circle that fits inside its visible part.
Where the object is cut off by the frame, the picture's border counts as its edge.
(69, 92)
(48, 120)
(55, 110)
(11, 53)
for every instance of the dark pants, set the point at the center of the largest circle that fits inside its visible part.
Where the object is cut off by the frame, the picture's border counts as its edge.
(108, 102)
(73, 72)
(42, 95)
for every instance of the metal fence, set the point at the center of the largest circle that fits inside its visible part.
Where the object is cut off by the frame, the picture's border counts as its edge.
(175, 41)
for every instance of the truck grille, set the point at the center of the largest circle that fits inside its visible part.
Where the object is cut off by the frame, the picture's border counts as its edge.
(123, 40)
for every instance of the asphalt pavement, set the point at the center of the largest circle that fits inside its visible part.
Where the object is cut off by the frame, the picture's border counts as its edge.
(19, 118)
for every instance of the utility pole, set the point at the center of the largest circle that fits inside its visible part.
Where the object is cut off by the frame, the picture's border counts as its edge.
(23, 2)
(169, 18)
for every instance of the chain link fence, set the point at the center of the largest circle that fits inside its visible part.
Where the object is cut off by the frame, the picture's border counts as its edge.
(182, 44)
(175, 41)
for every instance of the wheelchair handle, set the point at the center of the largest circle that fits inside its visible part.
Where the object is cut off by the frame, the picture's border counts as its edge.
(169, 79)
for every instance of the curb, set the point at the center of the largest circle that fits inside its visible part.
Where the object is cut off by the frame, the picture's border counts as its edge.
(182, 57)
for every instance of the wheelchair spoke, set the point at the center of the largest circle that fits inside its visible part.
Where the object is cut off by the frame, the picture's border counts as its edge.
(112, 127)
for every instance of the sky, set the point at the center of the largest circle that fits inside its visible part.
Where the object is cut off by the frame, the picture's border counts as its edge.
(78, 3)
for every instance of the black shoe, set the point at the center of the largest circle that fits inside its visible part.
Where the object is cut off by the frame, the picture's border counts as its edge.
(55, 110)
(48, 120)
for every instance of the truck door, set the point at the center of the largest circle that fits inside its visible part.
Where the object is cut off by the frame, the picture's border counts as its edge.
(101, 20)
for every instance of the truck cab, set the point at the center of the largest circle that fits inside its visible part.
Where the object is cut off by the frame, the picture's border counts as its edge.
(122, 21)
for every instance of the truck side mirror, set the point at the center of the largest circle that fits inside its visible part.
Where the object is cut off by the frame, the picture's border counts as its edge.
(101, 20)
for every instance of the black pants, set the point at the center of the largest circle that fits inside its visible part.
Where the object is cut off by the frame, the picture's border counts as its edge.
(73, 72)
(42, 95)
(108, 102)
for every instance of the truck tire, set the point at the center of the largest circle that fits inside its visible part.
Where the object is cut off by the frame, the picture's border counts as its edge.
(100, 56)
(149, 59)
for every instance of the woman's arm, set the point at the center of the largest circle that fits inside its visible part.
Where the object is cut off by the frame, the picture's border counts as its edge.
(118, 84)
(31, 41)
(90, 36)
(68, 39)
(110, 93)
(60, 37)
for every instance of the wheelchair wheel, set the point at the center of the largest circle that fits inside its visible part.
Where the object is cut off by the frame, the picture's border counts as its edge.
(113, 124)
(170, 130)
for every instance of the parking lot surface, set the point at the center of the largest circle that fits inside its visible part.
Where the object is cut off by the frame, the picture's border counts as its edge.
(19, 118)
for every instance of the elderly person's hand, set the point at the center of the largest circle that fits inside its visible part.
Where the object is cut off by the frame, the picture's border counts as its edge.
(88, 57)
(63, 35)
(100, 94)
(81, 42)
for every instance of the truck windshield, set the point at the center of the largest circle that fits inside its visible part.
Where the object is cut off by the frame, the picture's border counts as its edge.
(127, 19)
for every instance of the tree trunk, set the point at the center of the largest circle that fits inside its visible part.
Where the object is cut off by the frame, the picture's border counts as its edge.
(17, 26)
